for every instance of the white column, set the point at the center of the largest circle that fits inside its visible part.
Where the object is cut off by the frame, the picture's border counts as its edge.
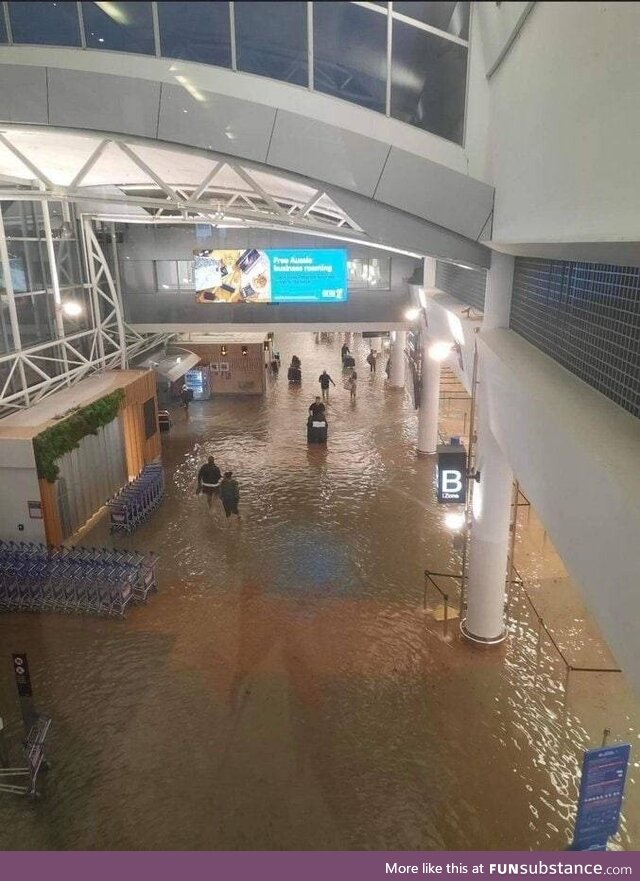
(489, 541)
(429, 273)
(497, 301)
(55, 284)
(398, 345)
(13, 314)
(429, 403)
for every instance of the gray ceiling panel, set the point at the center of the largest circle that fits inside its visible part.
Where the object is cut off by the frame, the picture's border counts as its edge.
(216, 122)
(104, 102)
(438, 194)
(327, 152)
(397, 229)
(23, 95)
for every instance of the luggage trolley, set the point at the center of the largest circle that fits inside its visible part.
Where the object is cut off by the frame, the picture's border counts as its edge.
(316, 431)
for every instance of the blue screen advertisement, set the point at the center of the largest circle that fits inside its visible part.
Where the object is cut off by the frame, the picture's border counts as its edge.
(317, 275)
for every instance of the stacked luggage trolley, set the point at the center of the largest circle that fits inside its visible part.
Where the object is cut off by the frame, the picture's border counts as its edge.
(137, 500)
(101, 581)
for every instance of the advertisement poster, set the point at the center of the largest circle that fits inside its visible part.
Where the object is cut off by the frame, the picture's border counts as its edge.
(271, 276)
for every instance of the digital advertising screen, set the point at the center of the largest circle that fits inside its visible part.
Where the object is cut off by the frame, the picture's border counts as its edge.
(317, 275)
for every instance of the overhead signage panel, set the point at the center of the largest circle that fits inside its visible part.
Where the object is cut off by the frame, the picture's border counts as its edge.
(318, 275)
(452, 474)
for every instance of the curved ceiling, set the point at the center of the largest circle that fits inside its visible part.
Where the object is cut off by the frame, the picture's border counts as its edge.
(164, 182)
(134, 179)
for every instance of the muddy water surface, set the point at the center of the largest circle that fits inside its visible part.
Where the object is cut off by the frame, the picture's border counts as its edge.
(285, 689)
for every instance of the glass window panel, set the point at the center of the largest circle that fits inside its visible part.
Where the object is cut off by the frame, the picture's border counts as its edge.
(271, 40)
(67, 262)
(3, 30)
(18, 275)
(196, 31)
(26, 266)
(6, 346)
(428, 81)
(124, 27)
(355, 273)
(350, 49)
(167, 273)
(35, 318)
(185, 275)
(369, 273)
(138, 276)
(52, 23)
(450, 17)
(22, 220)
(380, 273)
(73, 324)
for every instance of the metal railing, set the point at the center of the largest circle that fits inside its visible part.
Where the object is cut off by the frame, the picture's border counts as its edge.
(430, 580)
(543, 629)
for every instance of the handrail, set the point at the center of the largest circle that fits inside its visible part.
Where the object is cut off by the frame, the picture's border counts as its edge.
(542, 627)
(430, 578)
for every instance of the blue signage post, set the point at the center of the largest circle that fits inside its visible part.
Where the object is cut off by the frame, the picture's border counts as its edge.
(604, 773)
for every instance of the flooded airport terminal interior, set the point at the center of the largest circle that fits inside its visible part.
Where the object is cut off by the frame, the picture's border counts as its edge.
(286, 688)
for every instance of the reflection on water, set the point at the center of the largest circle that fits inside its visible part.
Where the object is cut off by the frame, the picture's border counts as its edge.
(285, 689)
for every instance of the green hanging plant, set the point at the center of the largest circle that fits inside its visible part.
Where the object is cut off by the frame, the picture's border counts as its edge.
(53, 443)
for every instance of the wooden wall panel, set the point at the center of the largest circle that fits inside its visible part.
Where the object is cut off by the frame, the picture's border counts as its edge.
(139, 449)
(50, 513)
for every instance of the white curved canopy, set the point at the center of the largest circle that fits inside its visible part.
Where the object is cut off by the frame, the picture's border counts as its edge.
(163, 181)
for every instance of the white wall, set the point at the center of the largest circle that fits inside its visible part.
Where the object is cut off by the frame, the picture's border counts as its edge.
(446, 323)
(496, 27)
(576, 455)
(564, 133)
(18, 485)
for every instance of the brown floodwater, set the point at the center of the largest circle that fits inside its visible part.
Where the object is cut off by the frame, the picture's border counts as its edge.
(285, 688)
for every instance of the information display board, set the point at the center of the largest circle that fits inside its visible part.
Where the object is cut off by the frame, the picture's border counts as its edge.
(604, 772)
(271, 276)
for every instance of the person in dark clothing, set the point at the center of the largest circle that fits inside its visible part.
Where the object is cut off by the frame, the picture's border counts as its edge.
(317, 411)
(324, 379)
(371, 361)
(186, 396)
(345, 350)
(209, 480)
(230, 494)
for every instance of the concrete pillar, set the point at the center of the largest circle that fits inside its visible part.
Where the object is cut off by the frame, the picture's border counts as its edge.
(398, 345)
(489, 543)
(429, 273)
(497, 300)
(429, 403)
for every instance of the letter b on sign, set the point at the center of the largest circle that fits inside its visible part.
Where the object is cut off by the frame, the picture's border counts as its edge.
(452, 474)
(451, 481)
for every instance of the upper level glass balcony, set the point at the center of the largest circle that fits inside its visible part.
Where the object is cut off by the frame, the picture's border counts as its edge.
(407, 60)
